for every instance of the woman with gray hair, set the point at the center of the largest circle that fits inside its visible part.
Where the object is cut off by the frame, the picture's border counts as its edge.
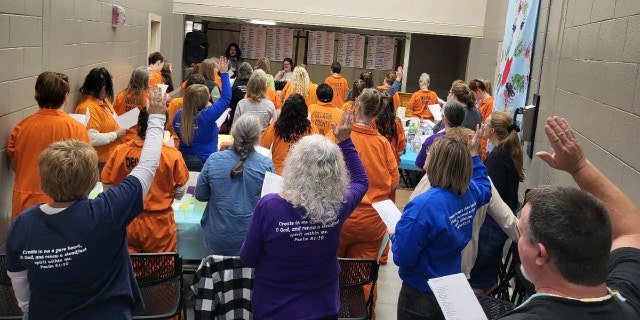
(293, 236)
(231, 182)
(238, 91)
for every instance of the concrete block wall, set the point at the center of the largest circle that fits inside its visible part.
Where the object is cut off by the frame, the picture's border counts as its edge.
(72, 37)
(586, 69)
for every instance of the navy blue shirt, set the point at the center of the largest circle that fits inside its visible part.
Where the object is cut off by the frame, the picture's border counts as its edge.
(77, 259)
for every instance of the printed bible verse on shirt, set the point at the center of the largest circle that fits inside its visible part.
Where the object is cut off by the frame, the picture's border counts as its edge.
(305, 230)
(463, 216)
(52, 258)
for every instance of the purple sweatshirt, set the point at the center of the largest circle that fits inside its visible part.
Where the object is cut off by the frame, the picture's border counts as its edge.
(295, 261)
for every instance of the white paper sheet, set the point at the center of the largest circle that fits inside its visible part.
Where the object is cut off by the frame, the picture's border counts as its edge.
(401, 112)
(436, 111)
(82, 118)
(272, 184)
(128, 119)
(456, 299)
(163, 87)
(388, 212)
(222, 118)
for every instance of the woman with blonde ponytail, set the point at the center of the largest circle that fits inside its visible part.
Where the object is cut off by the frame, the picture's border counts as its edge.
(505, 167)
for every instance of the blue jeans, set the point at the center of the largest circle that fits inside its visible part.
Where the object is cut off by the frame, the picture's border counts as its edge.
(414, 304)
(485, 270)
(193, 162)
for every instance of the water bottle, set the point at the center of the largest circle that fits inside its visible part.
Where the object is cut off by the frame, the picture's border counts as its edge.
(413, 130)
(416, 144)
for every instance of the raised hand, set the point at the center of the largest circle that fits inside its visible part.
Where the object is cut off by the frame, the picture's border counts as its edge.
(223, 64)
(343, 130)
(567, 152)
(473, 141)
(157, 101)
(399, 73)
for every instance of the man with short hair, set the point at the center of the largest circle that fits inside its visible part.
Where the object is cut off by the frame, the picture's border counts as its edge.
(156, 62)
(339, 85)
(582, 254)
(323, 113)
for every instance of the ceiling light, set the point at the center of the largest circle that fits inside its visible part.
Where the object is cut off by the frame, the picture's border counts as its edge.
(263, 22)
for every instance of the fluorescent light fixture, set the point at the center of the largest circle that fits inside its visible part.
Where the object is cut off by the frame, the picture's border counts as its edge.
(263, 22)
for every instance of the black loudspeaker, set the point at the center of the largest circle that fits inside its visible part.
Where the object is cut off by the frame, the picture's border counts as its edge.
(195, 48)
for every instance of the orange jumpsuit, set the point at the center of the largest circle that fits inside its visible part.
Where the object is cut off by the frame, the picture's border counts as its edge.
(154, 230)
(347, 106)
(155, 78)
(271, 96)
(362, 233)
(174, 106)
(125, 102)
(399, 144)
(102, 119)
(26, 141)
(311, 98)
(485, 107)
(419, 103)
(396, 96)
(340, 88)
(279, 148)
(323, 114)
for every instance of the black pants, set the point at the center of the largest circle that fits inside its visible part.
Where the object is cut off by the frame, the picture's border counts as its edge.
(414, 304)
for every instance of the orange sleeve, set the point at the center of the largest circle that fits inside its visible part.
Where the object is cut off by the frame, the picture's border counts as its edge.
(396, 100)
(284, 94)
(155, 78)
(180, 170)
(486, 107)
(119, 104)
(218, 81)
(11, 146)
(392, 167)
(402, 138)
(347, 106)
(268, 136)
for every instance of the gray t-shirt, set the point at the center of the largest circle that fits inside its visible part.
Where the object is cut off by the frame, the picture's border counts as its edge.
(263, 109)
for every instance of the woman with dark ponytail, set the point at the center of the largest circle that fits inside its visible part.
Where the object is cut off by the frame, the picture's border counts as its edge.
(231, 182)
(505, 167)
(390, 126)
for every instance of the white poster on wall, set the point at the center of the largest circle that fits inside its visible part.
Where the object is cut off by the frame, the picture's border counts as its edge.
(279, 43)
(380, 50)
(351, 50)
(320, 47)
(253, 41)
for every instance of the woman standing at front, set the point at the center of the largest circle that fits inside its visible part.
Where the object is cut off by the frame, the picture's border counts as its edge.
(196, 126)
(296, 275)
(104, 132)
(436, 225)
(504, 164)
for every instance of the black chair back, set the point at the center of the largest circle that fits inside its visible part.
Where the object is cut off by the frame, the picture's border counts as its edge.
(159, 277)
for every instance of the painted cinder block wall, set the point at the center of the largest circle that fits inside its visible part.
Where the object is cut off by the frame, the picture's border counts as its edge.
(586, 70)
(72, 37)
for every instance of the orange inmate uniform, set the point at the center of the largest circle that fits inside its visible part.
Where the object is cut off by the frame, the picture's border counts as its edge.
(279, 148)
(311, 97)
(347, 106)
(362, 233)
(174, 106)
(323, 114)
(419, 103)
(340, 88)
(27, 140)
(271, 96)
(396, 96)
(155, 78)
(154, 230)
(485, 107)
(126, 102)
(399, 144)
(101, 119)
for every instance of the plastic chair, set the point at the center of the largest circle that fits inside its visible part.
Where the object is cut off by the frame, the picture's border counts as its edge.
(159, 277)
(8, 304)
(494, 308)
(354, 275)
(509, 271)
